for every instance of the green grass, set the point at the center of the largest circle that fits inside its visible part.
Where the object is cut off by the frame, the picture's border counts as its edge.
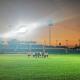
(56, 67)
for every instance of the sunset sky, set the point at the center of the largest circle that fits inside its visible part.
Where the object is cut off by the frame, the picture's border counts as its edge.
(65, 15)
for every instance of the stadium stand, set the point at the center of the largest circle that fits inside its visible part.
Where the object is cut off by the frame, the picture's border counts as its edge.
(24, 47)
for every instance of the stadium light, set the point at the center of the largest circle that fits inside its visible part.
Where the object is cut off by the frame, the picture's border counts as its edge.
(50, 32)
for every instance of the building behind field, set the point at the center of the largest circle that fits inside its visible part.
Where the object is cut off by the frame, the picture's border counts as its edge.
(15, 46)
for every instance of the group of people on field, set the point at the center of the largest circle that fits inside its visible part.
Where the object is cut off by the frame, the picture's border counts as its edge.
(38, 54)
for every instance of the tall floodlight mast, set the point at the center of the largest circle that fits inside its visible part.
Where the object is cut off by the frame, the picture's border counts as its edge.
(66, 46)
(50, 26)
(66, 43)
(79, 42)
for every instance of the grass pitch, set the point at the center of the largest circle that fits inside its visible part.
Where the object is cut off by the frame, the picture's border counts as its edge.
(55, 67)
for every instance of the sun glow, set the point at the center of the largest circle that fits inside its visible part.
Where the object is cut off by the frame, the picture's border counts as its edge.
(20, 29)
(27, 28)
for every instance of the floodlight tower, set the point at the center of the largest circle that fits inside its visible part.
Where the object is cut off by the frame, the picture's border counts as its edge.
(66, 46)
(50, 25)
(79, 42)
(56, 42)
(66, 43)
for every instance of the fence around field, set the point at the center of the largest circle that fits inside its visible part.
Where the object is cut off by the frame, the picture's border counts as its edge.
(37, 48)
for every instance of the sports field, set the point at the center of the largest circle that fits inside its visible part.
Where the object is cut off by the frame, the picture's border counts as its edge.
(55, 67)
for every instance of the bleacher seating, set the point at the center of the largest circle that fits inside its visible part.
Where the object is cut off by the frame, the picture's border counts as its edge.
(24, 47)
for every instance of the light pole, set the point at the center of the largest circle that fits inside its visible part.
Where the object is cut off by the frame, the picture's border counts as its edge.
(44, 46)
(66, 43)
(66, 46)
(49, 35)
(56, 42)
(79, 42)
(50, 25)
